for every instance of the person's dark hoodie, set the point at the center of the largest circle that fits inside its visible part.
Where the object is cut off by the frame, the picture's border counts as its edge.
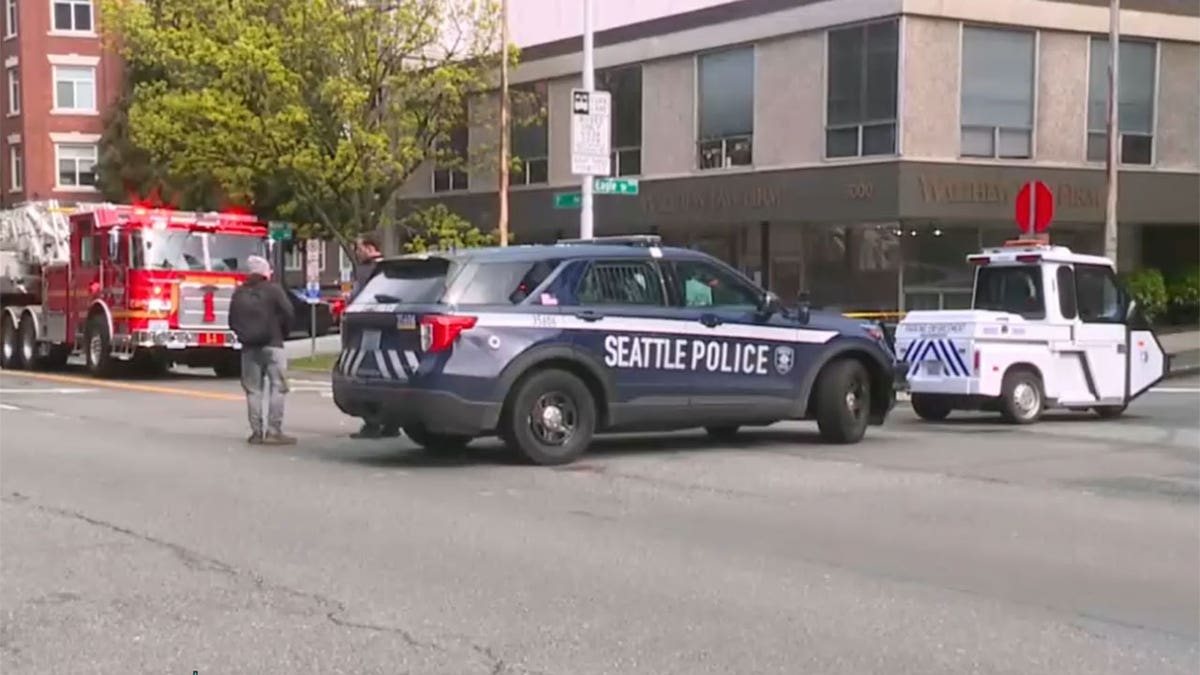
(361, 275)
(284, 313)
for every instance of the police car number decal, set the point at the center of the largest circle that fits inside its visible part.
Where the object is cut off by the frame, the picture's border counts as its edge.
(633, 351)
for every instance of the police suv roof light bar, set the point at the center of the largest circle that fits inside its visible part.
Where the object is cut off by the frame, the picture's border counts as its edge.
(626, 240)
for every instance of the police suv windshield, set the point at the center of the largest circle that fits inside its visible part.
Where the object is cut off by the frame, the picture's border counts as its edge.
(197, 251)
(1015, 289)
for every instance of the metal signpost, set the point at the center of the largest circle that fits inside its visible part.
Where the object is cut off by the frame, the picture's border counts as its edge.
(312, 287)
(591, 120)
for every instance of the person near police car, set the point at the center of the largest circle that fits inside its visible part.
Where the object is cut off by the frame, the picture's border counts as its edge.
(366, 249)
(261, 315)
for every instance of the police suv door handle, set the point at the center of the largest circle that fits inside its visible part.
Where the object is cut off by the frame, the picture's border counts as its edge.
(589, 315)
(711, 320)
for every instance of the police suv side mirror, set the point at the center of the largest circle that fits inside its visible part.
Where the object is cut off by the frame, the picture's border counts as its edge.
(769, 304)
(803, 308)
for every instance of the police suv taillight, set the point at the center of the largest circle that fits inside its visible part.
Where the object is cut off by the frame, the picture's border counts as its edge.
(439, 331)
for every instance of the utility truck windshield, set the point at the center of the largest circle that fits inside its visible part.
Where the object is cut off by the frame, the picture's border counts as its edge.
(198, 251)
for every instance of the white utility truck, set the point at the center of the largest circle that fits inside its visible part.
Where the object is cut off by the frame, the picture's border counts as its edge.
(1048, 328)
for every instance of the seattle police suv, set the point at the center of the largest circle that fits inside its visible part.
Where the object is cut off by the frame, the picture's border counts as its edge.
(546, 345)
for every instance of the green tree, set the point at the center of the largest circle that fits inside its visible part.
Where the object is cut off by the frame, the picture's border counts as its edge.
(436, 227)
(316, 111)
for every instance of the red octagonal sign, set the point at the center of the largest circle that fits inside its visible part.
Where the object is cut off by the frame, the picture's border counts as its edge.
(1035, 207)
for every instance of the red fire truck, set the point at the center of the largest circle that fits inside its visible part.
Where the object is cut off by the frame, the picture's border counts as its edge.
(121, 283)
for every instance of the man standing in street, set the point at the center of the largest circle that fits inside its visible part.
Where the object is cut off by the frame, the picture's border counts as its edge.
(261, 315)
(367, 251)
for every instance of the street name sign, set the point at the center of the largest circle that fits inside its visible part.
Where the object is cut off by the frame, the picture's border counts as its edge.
(615, 186)
(591, 124)
(280, 230)
(567, 200)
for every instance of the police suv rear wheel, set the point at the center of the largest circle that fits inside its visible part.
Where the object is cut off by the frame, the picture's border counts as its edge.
(931, 407)
(436, 442)
(843, 401)
(1021, 399)
(550, 418)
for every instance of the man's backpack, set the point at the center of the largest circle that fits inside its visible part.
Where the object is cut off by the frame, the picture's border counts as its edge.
(252, 315)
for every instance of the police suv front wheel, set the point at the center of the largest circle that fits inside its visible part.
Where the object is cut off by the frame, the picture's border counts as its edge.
(550, 418)
(843, 403)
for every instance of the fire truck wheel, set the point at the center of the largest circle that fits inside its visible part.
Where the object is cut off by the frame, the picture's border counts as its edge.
(96, 347)
(931, 407)
(10, 353)
(1021, 399)
(27, 340)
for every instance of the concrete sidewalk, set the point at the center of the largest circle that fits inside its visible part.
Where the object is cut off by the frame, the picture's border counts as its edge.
(1183, 352)
(301, 347)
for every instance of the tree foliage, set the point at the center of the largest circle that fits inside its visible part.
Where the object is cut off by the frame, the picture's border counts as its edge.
(315, 111)
(436, 227)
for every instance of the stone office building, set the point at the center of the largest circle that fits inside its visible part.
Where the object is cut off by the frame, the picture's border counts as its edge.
(860, 149)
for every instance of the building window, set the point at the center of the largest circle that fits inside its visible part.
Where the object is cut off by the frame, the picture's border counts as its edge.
(861, 90)
(14, 91)
(452, 157)
(530, 142)
(73, 16)
(296, 255)
(726, 108)
(16, 168)
(10, 18)
(625, 85)
(997, 93)
(76, 165)
(75, 88)
(1135, 114)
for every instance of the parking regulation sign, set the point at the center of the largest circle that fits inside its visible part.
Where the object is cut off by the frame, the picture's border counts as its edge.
(591, 123)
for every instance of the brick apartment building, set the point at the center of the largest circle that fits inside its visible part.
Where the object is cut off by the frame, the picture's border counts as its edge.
(57, 82)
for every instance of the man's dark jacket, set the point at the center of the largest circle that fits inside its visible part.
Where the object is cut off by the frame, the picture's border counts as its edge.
(365, 269)
(281, 307)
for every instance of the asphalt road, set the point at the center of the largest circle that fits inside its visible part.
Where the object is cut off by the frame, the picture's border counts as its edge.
(139, 534)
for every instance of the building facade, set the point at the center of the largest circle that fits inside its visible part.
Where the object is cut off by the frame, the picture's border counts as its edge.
(58, 80)
(859, 149)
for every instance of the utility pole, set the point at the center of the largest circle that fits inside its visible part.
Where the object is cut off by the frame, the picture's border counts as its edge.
(1114, 130)
(589, 84)
(504, 123)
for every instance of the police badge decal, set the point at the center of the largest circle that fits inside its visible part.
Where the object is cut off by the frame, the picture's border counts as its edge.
(785, 357)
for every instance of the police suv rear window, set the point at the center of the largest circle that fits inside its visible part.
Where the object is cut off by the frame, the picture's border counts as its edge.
(408, 281)
(501, 283)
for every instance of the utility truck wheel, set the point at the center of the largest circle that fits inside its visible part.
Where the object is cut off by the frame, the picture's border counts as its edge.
(27, 335)
(549, 418)
(1110, 412)
(97, 347)
(1021, 397)
(931, 407)
(843, 401)
(10, 351)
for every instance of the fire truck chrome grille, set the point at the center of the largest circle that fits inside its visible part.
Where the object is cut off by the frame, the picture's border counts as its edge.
(194, 306)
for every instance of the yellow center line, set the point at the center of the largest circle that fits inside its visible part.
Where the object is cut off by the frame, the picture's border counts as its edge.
(128, 386)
